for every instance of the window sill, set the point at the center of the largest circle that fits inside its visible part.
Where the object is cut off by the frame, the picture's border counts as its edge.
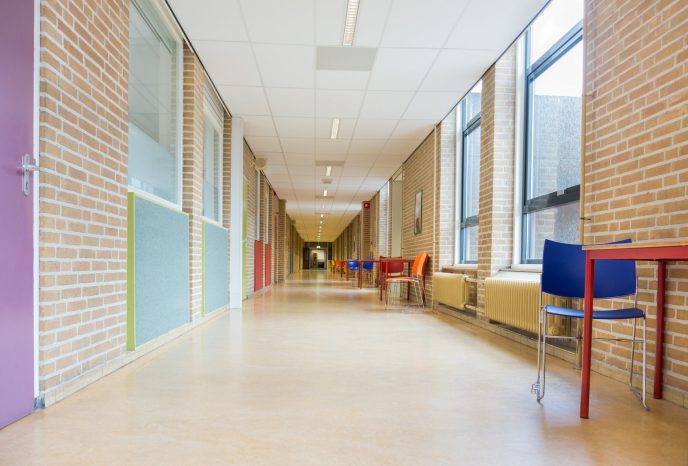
(535, 268)
(456, 268)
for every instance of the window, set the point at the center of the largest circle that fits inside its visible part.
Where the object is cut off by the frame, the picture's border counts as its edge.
(468, 179)
(154, 103)
(554, 86)
(212, 157)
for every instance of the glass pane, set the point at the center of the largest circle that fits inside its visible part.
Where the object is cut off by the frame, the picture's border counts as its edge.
(557, 223)
(469, 253)
(472, 102)
(555, 119)
(153, 107)
(212, 151)
(471, 175)
(552, 24)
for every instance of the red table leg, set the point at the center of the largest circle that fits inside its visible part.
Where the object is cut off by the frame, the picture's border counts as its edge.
(659, 338)
(587, 336)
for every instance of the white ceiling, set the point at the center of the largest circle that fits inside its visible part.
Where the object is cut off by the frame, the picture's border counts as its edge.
(261, 55)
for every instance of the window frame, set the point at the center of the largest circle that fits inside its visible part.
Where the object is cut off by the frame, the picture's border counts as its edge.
(213, 114)
(165, 20)
(464, 129)
(560, 197)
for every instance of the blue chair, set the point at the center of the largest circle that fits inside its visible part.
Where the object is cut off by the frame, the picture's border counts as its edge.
(353, 267)
(368, 267)
(563, 275)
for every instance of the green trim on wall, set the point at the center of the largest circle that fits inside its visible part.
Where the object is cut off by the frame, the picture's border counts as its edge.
(131, 273)
(157, 202)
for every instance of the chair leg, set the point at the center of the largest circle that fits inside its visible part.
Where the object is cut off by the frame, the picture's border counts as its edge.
(541, 391)
(535, 388)
(630, 372)
(644, 360)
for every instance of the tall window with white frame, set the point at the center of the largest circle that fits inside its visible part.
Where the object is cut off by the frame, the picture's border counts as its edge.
(155, 69)
(468, 175)
(554, 85)
(212, 156)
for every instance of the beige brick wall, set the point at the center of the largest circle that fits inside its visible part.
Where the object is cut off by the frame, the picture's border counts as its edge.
(419, 173)
(282, 251)
(227, 178)
(192, 173)
(496, 203)
(445, 193)
(636, 164)
(83, 188)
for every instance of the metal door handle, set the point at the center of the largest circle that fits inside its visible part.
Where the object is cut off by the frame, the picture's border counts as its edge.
(28, 166)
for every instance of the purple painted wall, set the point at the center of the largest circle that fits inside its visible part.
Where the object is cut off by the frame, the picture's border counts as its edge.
(16, 228)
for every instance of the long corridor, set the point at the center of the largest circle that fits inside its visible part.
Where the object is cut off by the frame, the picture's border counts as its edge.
(316, 372)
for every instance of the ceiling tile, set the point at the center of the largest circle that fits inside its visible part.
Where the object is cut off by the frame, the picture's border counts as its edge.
(359, 161)
(366, 146)
(225, 23)
(279, 22)
(400, 146)
(323, 128)
(355, 171)
(338, 104)
(295, 127)
(432, 22)
(341, 80)
(286, 65)
(298, 145)
(413, 129)
(331, 147)
(299, 159)
(291, 102)
(329, 22)
(242, 100)
(400, 69)
(431, 105)
(259, 126)
(457, 70)
(371, 15)
(385, 105)
(229, 63)
(263, 144)
(373, 129)
(513, 17)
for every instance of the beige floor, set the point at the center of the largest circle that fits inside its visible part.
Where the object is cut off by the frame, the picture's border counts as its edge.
(317, 373)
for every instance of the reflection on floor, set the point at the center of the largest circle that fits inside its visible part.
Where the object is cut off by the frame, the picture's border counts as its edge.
(315, 371)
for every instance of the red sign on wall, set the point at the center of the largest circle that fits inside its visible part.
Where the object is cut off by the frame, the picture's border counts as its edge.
(366, 205)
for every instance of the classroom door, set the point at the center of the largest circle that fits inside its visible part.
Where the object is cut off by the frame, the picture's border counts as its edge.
(16, 205)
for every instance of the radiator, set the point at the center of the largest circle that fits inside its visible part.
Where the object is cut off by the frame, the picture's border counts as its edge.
(513, 300)
(450, 289)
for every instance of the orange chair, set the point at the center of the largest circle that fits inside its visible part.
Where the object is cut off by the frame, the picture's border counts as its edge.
(415, 279)
(339, 265)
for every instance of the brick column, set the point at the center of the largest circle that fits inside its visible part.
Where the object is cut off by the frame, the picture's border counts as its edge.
(227, 177)
(282, 242)
(495, 230)
(192, 174)
(445, 192)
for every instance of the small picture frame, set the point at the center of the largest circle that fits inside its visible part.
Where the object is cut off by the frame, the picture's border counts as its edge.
(418, 213)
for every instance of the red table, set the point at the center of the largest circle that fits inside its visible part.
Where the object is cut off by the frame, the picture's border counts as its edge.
(408, 263)
(659, 252)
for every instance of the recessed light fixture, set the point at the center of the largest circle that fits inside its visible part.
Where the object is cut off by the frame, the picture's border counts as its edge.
(328, 170)
(335, 129)
(350, 22)
(322, 215)
(325, 193)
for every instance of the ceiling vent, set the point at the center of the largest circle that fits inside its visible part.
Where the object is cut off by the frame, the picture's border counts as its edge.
(345, 58)
(261, 164)
(327, 180)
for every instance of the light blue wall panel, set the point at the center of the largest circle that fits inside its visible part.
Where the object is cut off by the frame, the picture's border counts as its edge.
(161, 269)
(215, 267)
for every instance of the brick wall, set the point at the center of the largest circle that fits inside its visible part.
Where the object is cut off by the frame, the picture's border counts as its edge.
(383, 226)
(636, 164)
(83, 188)
(419, 174)
(282, 242)
(445, 193)
(495, 230)
(192, 173)
(227, 178)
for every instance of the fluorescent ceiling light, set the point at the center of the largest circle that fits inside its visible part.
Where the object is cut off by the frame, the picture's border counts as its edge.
(350, 22)
(328, 170)
(335, 131)
(322, 215)
(325, 193)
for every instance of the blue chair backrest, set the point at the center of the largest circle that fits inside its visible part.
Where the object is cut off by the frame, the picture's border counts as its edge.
(563, 272)
(353, 265)
(368, 265)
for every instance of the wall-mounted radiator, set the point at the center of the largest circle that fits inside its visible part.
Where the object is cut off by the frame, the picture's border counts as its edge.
(513, 301)
(450, 289)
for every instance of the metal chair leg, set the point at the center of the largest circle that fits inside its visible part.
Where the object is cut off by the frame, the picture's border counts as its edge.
(630, 372)
(644, 360)
(541, 391)
(535, 388)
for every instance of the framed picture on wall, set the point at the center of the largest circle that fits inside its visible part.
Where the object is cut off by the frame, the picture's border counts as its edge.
(418, 213)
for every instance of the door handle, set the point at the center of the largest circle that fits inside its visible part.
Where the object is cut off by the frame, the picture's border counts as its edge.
(26, 168)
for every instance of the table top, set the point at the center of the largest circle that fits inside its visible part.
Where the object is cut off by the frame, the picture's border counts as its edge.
(386, 259)
(663, 244)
